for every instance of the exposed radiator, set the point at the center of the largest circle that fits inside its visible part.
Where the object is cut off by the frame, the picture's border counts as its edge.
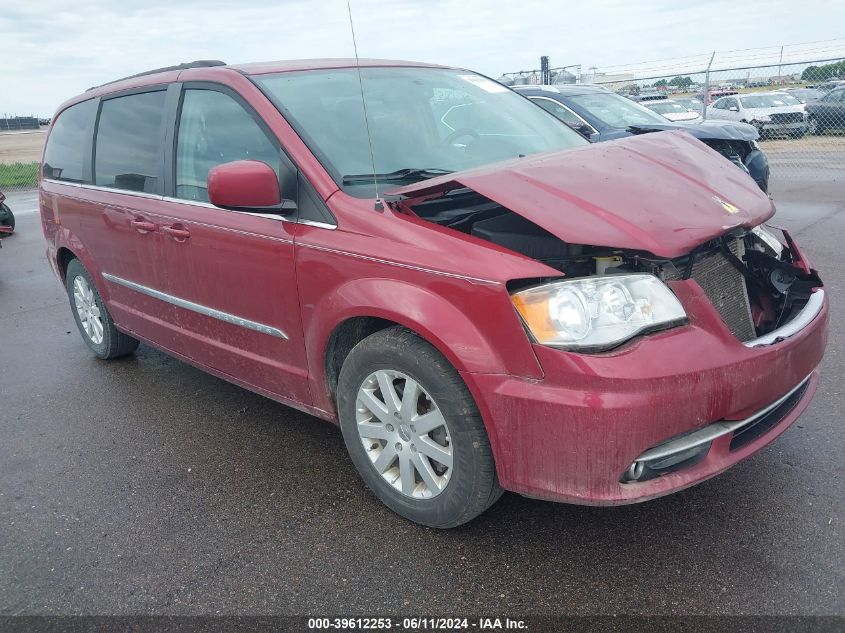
(725, 286)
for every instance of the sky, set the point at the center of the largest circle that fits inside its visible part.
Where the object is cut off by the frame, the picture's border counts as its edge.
(54, 49)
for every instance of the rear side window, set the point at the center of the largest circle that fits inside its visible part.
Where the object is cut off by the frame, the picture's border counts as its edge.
(215, 129)
(559, 111)
(127, 151)
(64, 158)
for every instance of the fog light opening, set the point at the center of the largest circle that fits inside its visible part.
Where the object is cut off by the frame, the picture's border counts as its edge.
(646, 469)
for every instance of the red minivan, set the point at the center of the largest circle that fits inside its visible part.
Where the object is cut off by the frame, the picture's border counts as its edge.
(482, 300)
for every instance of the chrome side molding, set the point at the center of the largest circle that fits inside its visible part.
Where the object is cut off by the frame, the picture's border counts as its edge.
(804, 318)
(196, 307)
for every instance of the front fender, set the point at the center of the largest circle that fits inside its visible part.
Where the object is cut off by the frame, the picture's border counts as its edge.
(469, 327)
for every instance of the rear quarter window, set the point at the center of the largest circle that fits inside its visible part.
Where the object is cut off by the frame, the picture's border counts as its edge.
(64, 158)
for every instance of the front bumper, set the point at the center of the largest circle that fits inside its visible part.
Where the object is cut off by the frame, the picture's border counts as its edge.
(575, 434)
(783, 127)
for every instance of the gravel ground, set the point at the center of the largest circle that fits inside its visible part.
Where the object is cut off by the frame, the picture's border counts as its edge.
(22, 147)
(144, 486)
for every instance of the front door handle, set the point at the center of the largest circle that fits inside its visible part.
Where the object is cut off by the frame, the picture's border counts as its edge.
(176, 232)
(142, 226)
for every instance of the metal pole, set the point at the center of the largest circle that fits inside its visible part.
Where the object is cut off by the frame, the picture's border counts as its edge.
(707, 87)
(780, 62)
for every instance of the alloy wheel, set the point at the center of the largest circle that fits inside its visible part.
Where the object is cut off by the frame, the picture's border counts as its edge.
(404, 434)
(87, 310)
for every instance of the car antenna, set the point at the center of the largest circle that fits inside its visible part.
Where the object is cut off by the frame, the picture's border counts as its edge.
(379, 205)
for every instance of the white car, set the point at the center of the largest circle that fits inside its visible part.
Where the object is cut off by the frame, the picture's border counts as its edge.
(770, 112)
(672, 110)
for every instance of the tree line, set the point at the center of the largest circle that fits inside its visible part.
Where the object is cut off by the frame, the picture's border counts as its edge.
(823, 72)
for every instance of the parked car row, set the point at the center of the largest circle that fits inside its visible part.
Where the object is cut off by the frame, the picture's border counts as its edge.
(792, 112)
(779, 113)
(770, 112)
(601, 115)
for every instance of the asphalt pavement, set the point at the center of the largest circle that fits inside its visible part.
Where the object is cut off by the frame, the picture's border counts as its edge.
(144, 486)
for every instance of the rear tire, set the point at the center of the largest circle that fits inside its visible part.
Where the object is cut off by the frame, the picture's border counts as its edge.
(798, 133)
(92, 317)
(388, 444)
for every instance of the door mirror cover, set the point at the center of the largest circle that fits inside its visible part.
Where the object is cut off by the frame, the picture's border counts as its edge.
(245, 185)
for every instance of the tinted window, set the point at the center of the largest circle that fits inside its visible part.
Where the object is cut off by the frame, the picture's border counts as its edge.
(616, 111)
(128, 144)
(559, 111)
(215, 129)
(66, 147)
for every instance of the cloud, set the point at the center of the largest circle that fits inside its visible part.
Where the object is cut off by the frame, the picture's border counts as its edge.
(52, 49)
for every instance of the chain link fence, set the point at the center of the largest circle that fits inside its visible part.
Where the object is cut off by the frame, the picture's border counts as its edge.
(794, 96)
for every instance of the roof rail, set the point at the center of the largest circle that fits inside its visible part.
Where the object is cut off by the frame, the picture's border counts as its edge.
(200, 63)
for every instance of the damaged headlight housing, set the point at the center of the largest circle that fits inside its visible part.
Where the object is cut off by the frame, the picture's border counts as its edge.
(595, 313)
(766, 237)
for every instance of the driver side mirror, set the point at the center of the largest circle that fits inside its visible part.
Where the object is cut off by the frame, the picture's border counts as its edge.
(245, 185)
(734, 108)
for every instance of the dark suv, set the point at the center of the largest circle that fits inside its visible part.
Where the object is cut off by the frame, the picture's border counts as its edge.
(602, 115)
(827, 113)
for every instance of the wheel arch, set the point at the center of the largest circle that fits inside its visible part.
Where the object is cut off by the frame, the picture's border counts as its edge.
(63, 257)
(362, 307)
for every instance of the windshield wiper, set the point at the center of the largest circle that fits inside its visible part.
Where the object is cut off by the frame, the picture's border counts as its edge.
(409, 173)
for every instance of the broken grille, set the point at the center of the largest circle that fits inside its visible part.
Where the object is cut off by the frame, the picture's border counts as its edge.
(724, 286)
(787, 117)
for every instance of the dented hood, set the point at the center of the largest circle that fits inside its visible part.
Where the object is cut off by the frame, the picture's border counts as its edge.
(664, 193)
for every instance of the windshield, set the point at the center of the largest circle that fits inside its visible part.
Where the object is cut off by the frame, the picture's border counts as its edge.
(422, 121)
(693, 104)
(667, 107)
(616, 111)
(769, 101)
(807, 93)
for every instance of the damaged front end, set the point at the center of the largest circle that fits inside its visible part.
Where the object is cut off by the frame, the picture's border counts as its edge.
(675, 212)
(755, 278)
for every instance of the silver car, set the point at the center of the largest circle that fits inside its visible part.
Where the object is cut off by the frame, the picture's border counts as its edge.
(673, 110)
(772, 113)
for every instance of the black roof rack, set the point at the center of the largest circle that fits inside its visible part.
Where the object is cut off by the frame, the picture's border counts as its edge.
(200, 63)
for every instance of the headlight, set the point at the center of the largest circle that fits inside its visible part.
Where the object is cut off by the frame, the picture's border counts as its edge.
(597, 313)
(765, 236)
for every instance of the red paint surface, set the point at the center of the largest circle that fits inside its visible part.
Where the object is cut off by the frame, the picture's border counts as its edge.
(661, 193)
(562, 425)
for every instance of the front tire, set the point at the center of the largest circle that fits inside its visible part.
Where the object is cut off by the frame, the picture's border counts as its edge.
(815, 127)
(92, 317)
(414, 432)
